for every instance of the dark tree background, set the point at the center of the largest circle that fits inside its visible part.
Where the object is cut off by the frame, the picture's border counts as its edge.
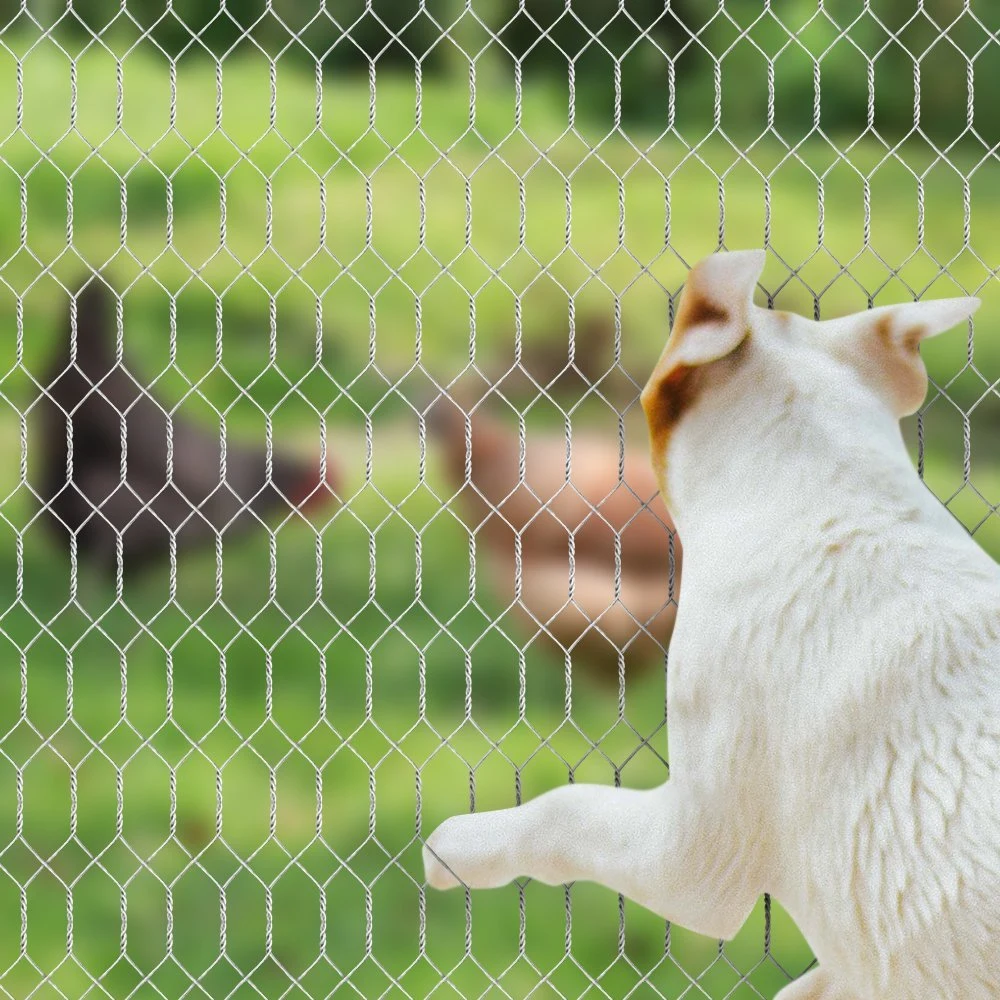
(654, 62)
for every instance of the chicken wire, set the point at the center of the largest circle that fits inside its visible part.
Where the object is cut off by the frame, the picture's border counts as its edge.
(170, 826)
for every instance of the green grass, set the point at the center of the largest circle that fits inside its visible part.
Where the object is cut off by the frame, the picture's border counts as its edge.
(178, 717)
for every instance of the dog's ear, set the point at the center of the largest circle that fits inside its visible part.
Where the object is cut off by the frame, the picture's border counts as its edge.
(712, 321)
(713, 317)
(885, 345)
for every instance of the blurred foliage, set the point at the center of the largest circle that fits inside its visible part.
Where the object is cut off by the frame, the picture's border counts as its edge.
(844, 66)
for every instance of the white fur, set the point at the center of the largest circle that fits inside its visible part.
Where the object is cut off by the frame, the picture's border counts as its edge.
(833, 683)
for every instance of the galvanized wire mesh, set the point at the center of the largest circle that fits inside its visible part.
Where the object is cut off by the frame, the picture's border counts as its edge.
(323, 222)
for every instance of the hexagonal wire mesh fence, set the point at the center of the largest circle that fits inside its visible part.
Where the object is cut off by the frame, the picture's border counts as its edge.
(327, 512)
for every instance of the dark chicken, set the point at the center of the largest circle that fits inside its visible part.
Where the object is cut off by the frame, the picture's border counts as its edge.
(89, 395)
(586, 513)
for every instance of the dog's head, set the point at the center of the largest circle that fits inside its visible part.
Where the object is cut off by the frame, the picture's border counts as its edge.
(735, 376)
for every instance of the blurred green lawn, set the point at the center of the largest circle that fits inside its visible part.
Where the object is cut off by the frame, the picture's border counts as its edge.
(276, 740)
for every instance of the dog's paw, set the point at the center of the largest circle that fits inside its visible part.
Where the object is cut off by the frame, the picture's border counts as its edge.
(442, 850)
(478, 851)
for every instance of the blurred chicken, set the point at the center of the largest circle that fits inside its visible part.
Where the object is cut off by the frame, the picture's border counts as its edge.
(551, 509)
(87, 396)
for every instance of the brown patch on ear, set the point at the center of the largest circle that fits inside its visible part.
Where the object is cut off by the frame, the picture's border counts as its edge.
(664, 404)
(696, 309)
(911, 339)
(900, 368)
(883, 329)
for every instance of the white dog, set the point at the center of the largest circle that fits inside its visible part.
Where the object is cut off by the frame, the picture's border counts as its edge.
(834, 680)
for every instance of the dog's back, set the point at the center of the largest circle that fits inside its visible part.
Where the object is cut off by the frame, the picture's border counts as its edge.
(895, 828)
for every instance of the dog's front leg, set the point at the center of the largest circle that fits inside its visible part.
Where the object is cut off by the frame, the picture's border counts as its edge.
(657, 847)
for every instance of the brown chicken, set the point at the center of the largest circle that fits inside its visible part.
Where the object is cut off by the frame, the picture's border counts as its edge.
(568, 515)
(172, 483)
